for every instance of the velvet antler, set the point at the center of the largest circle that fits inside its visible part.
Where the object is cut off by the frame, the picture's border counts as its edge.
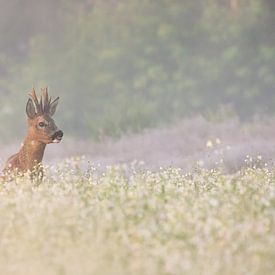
(37, 104)
(46, 100)
(44, 105)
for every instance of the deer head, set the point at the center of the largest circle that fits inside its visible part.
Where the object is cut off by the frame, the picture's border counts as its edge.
(42, 127)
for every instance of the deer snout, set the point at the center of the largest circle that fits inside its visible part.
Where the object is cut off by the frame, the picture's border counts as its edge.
(57, 136)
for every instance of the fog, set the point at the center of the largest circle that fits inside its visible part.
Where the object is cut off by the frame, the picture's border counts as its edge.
(182, 83)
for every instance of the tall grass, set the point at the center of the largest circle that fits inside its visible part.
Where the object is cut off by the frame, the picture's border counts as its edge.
(121, 220)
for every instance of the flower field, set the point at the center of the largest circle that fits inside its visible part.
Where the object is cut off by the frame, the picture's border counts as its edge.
(125, 220)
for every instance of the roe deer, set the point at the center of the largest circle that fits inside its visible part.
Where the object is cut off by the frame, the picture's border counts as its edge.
(41, 131)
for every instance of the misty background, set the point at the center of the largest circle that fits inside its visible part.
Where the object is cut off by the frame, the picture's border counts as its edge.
(123, 67)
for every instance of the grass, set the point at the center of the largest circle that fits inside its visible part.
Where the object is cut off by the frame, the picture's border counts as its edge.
(121, 220)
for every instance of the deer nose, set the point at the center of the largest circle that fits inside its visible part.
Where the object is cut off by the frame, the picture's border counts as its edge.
(57, 135)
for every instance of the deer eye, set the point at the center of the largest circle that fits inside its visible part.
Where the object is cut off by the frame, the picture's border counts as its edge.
(41, 124)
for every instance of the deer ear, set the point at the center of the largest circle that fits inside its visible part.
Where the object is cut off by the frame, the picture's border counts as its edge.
(53, 106)
(30, 109)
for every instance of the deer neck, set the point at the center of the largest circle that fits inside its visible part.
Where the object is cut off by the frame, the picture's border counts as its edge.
(31, 153)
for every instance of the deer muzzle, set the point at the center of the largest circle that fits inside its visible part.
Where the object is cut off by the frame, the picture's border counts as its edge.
(57, 136)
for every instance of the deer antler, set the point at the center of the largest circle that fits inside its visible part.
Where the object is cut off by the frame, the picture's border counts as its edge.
(44, 103)
(46, 100)
(37, 104)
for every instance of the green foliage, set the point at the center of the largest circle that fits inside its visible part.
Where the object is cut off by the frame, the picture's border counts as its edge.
(123, 66)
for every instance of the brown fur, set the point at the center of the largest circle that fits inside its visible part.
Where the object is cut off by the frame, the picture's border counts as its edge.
(41, 131)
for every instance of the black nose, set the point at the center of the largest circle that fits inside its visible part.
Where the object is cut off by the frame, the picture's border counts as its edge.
(58, 134)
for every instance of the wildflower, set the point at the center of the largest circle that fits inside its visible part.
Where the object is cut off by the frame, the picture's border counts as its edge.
(218, 141)
(209, 144)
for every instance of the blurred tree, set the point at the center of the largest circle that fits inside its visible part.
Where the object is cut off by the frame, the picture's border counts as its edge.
(234, 5)
(124, 66)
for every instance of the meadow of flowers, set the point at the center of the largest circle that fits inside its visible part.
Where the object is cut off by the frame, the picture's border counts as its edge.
(128, 220)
